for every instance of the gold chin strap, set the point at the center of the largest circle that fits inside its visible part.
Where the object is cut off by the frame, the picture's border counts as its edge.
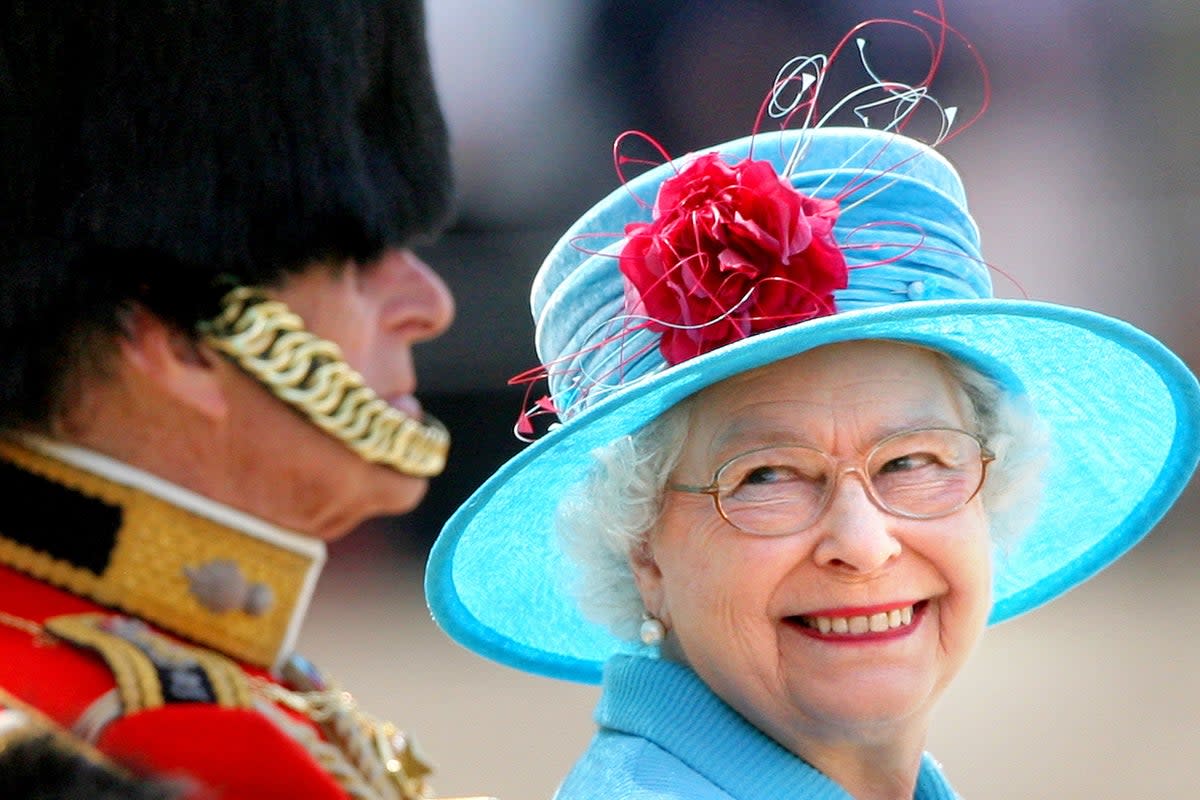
(269, 341)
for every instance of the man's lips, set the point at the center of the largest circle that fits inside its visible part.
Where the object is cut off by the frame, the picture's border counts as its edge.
(406, 404)
(861, 623)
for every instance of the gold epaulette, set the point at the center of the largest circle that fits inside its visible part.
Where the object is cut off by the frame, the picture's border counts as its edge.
(150, 669)
(370, 758)
(165, 555)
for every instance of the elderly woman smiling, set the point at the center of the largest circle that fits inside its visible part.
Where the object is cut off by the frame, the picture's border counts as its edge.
(836, 576)
(804, 459)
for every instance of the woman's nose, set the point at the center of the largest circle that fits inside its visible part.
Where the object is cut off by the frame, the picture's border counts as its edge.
(419, 304)
(855, 534)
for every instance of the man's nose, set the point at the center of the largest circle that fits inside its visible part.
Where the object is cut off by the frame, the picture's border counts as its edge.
(419, 303)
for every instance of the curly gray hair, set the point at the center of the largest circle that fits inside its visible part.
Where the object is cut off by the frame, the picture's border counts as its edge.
(608, 514)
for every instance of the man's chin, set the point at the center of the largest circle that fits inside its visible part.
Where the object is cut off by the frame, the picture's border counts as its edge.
(409, 500)
(395, 495)
(382, 515)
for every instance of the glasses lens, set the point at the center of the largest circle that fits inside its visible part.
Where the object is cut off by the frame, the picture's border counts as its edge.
(926, 473)
(775, 490)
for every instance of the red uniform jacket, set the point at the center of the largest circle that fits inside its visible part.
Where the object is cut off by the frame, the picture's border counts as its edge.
(157, 626)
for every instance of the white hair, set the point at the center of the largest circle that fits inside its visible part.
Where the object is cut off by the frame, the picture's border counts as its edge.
(604, 517)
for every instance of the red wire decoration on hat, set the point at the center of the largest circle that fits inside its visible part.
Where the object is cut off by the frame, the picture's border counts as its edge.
(732, 250)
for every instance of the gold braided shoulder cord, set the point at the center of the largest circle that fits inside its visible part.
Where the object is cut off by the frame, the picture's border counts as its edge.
(269, 341)
(370, 758)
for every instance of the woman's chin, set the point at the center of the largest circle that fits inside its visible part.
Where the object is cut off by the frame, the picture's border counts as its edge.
(881, 712)
(884, 701)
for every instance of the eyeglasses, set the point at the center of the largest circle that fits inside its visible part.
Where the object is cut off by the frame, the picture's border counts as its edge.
(916, 474)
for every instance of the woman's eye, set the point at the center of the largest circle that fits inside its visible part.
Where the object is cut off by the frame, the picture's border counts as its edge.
(909, 462)
(767, 474)
(766, 483)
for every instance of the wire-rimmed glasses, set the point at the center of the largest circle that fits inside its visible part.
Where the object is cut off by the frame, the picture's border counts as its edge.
(782, 489)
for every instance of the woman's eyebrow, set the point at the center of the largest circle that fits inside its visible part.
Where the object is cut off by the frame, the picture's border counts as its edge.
(751, 432)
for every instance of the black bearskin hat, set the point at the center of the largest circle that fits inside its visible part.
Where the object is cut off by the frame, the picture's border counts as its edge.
(152, 148)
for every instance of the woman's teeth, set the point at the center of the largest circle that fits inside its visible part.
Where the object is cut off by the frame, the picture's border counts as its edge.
(874, 623)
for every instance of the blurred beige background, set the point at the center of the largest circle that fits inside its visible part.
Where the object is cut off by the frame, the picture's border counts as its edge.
(1084, 179)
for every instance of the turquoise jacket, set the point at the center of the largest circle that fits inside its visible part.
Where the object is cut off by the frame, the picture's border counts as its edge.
(665, 736)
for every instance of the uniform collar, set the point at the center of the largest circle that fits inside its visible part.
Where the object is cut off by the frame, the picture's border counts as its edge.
(127, 539)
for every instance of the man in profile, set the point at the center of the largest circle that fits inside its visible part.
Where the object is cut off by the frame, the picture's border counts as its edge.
(208, 300)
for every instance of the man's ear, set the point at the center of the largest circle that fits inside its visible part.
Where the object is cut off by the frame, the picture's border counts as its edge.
(649, 579)
(179, 365)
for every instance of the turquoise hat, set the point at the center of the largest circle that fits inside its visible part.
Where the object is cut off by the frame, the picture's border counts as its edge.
(1122, 411)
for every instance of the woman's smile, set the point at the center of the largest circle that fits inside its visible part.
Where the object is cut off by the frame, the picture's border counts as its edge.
(859, 625)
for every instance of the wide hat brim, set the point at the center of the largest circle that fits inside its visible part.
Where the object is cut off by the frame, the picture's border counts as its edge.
(1121, 411)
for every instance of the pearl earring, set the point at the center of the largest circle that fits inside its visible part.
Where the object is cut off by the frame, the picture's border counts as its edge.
(652, 630)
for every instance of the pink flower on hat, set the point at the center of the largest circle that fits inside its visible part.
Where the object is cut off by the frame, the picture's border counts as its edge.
(731, 250)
